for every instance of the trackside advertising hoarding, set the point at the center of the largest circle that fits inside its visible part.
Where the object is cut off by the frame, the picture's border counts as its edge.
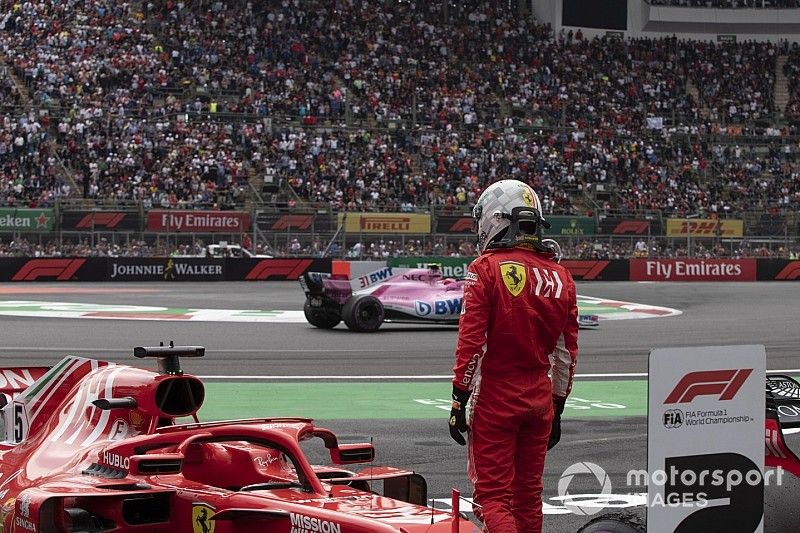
(198, 221)
(456, 267)
(26, 220)
(166, 269)
(101, 220)
(563, 225)
(693, 269)
(705, 440)
(385, 222)
(452, 267)
(704, 227)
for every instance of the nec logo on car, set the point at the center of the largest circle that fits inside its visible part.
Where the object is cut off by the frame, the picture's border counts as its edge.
(722, 383)
(439, 307)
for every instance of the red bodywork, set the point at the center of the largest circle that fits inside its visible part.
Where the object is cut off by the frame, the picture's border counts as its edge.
(93, 446)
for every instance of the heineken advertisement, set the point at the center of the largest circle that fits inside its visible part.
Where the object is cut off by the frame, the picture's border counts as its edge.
(452, 267)
(26, 220)
(564, 225)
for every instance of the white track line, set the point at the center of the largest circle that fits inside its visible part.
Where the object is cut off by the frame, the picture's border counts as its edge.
(433, 377)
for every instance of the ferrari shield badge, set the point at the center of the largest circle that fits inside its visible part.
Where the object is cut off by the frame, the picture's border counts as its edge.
(201, 518)
(527, 197)
(514, 277)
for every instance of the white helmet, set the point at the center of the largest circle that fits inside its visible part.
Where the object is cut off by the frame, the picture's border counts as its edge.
(509, 213)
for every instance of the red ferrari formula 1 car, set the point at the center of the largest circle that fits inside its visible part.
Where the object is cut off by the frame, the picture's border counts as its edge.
(91, 446)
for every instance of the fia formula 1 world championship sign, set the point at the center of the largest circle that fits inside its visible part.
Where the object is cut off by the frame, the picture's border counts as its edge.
(705, 439)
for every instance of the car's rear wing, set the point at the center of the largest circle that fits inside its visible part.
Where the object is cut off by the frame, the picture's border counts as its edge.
(339, 287)
(15, 379)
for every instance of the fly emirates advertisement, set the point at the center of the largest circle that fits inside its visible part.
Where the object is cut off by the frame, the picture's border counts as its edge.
(693, 270)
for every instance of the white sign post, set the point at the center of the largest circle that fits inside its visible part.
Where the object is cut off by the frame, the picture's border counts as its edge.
(705, 444)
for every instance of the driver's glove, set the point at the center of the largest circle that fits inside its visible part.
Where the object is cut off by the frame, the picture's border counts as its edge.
(555, 429)
(458, 415)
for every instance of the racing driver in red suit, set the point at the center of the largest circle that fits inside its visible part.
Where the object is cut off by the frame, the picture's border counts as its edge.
(515, 358)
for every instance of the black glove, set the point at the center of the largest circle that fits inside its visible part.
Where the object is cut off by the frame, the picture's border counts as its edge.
(458, 415)
(555, 429)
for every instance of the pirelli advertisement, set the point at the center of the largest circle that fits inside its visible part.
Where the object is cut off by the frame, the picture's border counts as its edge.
(704, 227)
(385, 222)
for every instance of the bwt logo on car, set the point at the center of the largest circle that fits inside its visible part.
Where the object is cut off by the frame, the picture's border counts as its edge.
(439, 307)
(374, 277)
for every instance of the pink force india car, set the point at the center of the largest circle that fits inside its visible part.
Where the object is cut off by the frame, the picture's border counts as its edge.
(409, 295)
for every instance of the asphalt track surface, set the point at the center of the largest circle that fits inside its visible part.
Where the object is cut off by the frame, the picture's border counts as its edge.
(713, 314)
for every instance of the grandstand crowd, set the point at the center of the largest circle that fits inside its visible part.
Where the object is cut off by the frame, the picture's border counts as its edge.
(186, 104)
(382, 248)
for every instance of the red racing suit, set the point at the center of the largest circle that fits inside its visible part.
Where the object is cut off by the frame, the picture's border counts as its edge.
(519, 323)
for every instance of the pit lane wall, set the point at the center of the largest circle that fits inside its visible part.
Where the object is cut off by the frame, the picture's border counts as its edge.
(169, 269)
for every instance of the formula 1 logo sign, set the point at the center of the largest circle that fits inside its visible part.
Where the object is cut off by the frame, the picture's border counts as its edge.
(278, 268)
(705, 439)
(293, 221)
(722, 383)
(585, 270)
(790, 271)
(58, 269)
(637, 227)
(462, 225)
(100, 220)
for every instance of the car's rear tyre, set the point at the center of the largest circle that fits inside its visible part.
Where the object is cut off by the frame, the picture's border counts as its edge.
(632, 521)
(321, 317)
(363, 313)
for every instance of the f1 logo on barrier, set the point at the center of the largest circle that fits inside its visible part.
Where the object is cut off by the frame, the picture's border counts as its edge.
(585, 269)
(293, 221)
(281, 268)
(632, 226)
(106, 220)
(462, 225)
(60, 269)
(790, 271)
(725, 383)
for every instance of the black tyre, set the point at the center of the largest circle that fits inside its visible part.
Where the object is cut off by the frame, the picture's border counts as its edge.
(321, 317)
(363, 313)
(633, 521)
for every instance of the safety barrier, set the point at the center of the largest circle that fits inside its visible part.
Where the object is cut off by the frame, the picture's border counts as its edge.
(173, 269)
(167, 269)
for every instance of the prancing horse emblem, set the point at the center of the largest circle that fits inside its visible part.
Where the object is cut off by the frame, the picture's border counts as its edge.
(514, 277)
